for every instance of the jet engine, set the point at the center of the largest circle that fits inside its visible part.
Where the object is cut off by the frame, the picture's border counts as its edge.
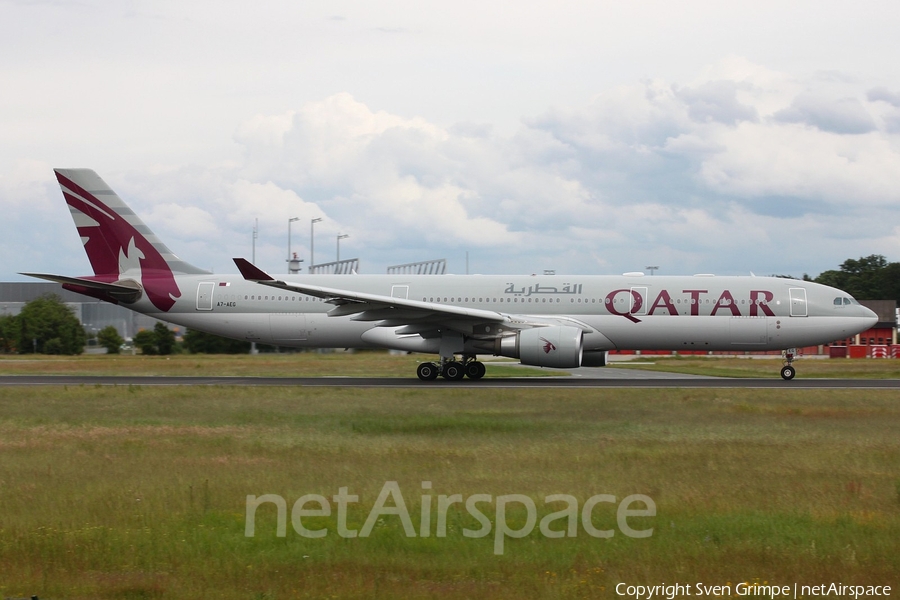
(557, 346)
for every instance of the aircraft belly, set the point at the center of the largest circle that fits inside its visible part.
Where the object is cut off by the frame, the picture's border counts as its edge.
(724, 332)
(789, 332)
(668, 333)
(336, 332)
(242, 326)
(748, 331)
(288, 328)
(387, 337)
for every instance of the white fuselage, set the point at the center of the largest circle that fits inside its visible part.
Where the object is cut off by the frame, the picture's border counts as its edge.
(620, 312)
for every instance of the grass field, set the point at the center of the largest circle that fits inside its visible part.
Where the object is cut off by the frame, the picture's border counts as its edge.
(382, 364)
(857, 368)
(305, 364)
(140, 492)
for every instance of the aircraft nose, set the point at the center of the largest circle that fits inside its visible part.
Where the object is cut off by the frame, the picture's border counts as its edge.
(870, 316)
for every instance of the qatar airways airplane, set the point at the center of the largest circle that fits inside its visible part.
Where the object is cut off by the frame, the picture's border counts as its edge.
(547, 321)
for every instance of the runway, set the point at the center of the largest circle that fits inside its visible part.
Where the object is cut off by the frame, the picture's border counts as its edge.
(580, 382)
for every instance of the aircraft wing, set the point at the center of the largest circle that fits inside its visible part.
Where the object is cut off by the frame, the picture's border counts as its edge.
(119, 291)
(423, 318)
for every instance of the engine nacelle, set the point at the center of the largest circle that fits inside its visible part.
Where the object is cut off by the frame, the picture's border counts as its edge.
(594, 358)
(557, 346)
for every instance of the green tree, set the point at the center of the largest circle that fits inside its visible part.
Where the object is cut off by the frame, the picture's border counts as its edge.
(8, 333)
(109, 338)
(199, 342)
(868, 278)
(145, 341)
(165, 339)
(161, 340)
(47, 325)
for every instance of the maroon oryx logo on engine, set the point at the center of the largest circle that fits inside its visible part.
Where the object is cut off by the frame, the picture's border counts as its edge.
(548, 346)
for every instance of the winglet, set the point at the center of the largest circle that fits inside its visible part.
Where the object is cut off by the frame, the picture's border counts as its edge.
(251, 272)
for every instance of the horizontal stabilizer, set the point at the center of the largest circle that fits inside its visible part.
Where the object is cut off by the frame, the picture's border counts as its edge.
(124, 292)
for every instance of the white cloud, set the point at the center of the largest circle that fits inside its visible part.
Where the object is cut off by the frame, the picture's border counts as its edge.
(789, 160)
(839, 115)
(742, 168)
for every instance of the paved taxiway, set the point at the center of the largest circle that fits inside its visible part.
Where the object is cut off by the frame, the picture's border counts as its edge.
(581, 378)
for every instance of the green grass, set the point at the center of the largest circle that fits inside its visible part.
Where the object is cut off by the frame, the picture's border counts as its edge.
(303, 364)
(383, 364)
(139, 492)
(856, 368)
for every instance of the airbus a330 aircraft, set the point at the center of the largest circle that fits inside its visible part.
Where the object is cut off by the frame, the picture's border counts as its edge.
(548, 321)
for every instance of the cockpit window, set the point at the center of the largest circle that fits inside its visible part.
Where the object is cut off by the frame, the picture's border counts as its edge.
(844, 301)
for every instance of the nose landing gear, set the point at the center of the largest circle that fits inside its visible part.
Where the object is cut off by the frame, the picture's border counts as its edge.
(788, 371)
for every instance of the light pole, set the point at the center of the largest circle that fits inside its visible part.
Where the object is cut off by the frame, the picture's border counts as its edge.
(340, 237)
(312, 243)
(652, 269)
(255, 235)
(293, 264)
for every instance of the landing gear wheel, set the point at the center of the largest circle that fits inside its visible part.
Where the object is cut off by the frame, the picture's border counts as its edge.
(475, 370)
(453, 371)
(427, 371)
(788, 372)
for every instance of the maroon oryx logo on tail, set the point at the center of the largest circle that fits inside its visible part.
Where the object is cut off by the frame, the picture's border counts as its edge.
(114, 246)
(548, 346)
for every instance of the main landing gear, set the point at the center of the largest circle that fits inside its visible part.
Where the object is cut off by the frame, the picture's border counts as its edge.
(788, 371)
(452, 369)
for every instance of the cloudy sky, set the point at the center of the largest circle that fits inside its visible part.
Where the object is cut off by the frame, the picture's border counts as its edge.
(586, 137)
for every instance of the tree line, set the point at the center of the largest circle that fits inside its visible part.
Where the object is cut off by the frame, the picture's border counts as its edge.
(866, 278)
(46, 325)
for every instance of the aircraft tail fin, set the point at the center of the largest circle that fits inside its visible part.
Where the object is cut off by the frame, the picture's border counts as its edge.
(111, 231)
(118, 244)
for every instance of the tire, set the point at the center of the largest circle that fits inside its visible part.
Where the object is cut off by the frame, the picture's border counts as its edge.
(475, 370)
(453, 371)
(427, 371)
(788, 372)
